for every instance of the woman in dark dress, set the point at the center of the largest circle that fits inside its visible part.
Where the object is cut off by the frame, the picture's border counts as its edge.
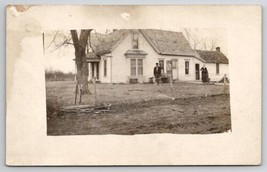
(204, 74)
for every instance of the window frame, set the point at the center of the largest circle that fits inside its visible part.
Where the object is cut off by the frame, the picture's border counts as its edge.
(140, 67)
(217, 68)
(187, 71)
(161, 64)
(135, 39)
(136, 67)
(133, 67)
(105, 67)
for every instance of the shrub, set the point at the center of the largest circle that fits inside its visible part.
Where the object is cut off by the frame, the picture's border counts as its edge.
(57, 75)
(53, 107)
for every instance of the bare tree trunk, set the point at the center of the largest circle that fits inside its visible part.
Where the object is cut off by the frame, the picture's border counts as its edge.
(80, 58)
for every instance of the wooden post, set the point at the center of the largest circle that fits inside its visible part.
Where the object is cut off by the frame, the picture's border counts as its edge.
(81, 91)
(43, 43)
(94, 81)
(224, 84)
(171, 76)
(171, 82)
(76, 92)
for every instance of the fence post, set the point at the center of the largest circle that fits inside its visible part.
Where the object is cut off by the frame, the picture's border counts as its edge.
(76, 92)
(81, 93)
(94, 81)
(224, 84)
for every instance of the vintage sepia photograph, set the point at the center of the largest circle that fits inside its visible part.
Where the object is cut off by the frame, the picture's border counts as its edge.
(111, 85)
(137, 81)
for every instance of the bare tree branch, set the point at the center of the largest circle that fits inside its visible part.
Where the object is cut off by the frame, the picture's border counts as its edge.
(64, 43)
(90, 43)
(192, 37)
(198, 41)
(53, 40)
(213, 44)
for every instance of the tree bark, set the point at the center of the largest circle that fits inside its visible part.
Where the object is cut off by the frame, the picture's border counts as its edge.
(80, 58)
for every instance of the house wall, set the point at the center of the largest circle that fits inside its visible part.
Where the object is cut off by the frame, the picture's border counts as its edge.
(118, 62)
(150, 60)
(119, 69)
(121, 66)
(223, 69)
(108, 77)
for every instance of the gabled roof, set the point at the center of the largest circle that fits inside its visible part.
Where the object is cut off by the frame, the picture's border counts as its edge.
(104, 43)
(169, 42)
(213, 56)
(164, 42)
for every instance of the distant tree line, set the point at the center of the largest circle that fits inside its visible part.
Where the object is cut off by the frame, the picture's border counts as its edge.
(57, 75)
(197, 41)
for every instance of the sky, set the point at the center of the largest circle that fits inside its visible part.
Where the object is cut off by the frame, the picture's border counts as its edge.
(62, 58)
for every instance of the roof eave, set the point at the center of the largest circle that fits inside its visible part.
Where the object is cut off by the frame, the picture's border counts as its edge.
(149, 41)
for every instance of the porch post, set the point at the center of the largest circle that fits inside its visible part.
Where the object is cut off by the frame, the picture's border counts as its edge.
(89, 70)
(95, 69)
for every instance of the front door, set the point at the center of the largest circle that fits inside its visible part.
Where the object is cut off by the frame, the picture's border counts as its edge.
(169, 68)
(172, 69)
(95, 70)
(197, 71)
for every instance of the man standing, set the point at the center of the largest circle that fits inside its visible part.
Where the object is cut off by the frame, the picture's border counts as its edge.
(157, 73)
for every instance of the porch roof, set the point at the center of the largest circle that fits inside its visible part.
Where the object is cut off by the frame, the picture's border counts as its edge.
(135, 52)
(92, 57)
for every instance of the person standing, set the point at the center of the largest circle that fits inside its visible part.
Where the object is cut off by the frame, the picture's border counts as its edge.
(204, 74)
(157, 73)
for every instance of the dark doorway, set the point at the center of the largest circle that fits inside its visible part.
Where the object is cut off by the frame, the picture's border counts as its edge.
(197, 71)
(97, 70)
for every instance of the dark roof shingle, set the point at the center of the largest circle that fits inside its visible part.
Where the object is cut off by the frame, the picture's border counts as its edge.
(103, 43)
(169, 42)
(213, 56)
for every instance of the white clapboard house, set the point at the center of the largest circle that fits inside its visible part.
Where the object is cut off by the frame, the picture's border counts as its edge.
(130, 55)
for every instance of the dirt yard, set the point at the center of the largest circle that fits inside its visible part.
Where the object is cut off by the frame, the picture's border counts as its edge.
(141, 109)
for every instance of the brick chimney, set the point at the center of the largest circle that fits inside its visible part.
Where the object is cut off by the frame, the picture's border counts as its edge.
(218, 49)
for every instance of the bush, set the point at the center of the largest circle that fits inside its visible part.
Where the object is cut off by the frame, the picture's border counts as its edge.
(53, 107)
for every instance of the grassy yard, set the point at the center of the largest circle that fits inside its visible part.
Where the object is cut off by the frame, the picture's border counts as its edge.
(141, 109)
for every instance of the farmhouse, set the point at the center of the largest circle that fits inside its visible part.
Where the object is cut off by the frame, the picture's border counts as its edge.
(216, 62)
(130, 55)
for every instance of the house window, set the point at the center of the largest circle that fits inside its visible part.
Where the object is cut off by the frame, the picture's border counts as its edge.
(217, 68)
(133, 67)
(105, 67)
(186, 67)
(136, 67)
(140, 66)
(161, 64)
(135, 39)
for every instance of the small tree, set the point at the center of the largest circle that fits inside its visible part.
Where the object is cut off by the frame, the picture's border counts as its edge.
(80, 45)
